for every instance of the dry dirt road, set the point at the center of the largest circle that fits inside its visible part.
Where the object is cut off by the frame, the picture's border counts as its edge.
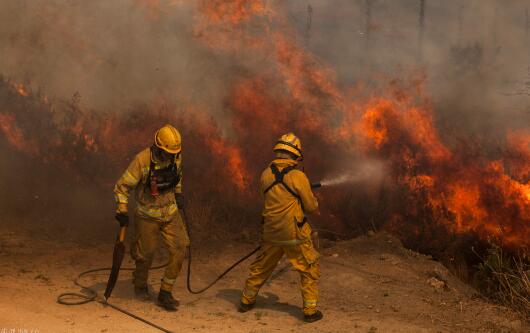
(369, 284)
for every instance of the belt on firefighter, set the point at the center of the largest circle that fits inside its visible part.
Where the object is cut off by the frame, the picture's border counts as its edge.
(290, 242)
(156, 213)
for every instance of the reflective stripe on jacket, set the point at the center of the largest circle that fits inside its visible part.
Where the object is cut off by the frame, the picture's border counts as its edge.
(162, 207)
(282, 211)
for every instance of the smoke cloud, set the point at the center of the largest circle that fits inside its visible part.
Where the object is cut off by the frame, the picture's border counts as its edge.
(476, 53)
(113, 54)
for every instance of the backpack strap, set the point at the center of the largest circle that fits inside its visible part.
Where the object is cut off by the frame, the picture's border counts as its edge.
(150, 173)
(278, 179)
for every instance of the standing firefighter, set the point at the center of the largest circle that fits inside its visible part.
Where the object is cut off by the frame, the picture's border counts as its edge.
(288, 197)
(156, 176)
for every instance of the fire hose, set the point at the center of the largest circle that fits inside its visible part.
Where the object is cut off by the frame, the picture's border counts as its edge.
(234, 265)
(93, 295)
(188, 275)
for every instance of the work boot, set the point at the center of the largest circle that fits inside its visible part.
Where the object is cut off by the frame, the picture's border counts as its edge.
(313, 317)
(243, 307)
(142, 293)
(166, 301)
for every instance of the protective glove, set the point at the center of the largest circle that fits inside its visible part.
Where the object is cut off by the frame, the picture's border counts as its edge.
(123, 219)
(179, 198)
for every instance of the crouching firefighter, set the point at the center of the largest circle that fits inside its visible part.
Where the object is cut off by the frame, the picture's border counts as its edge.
(155, 174)
(288, 197)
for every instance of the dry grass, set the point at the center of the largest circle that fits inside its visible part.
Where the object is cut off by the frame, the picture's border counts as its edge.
(506, 279)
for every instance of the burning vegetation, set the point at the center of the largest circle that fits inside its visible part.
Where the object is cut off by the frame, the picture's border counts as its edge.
(440, 198)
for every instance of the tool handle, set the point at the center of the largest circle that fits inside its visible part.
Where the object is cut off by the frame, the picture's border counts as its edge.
(121, 237)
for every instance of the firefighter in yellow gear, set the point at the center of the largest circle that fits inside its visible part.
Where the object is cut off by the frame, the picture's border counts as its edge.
(288, 198)
(155, 175)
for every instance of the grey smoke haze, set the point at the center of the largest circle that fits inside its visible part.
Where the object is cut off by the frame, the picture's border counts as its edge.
(340, 32)
(111, 52)
(475, 52)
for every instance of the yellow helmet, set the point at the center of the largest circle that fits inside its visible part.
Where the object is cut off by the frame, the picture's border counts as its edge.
(290, 143)
(168, 139)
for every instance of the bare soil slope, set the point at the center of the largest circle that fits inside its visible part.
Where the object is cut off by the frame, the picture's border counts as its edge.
(369, 284)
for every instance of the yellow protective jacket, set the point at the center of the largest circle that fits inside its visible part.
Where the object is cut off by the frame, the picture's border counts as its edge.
(162, 207)
(283, 211)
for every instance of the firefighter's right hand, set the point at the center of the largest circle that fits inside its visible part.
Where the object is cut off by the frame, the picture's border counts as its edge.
(123, 219)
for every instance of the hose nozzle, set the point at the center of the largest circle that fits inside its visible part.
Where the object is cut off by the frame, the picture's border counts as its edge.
(316, 185)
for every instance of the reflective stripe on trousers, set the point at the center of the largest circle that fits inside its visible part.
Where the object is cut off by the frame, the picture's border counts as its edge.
(159, 213)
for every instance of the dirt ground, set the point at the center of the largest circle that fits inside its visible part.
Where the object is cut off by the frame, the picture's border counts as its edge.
(369, 284)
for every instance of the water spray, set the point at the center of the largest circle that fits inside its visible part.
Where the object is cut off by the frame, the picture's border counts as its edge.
(366, 170)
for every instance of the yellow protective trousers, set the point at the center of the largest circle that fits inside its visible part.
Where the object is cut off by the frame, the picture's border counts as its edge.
(145, 242)
(304, 259)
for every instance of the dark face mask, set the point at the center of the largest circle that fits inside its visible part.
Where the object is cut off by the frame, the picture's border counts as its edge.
(167, 156)
(163, 155)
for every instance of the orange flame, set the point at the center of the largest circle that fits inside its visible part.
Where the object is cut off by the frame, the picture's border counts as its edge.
(21, 89)
(232, 12)
(14, 134)
(235, 164)
(221, 24)
(481, 199)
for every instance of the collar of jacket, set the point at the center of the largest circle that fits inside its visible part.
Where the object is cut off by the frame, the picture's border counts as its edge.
(284, 161)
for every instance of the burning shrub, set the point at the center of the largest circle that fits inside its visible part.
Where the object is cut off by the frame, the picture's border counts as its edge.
(72, 147)
(430, 193)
